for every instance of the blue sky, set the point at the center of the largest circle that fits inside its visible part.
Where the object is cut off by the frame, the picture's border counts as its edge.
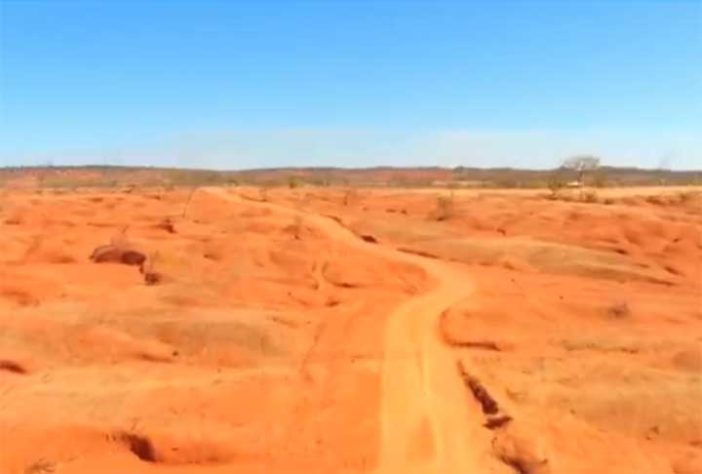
(256, 84)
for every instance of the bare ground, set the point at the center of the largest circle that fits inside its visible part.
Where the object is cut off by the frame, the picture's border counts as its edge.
(349, 330)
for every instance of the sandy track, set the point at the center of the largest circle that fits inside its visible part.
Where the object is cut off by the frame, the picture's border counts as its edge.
(425, 416)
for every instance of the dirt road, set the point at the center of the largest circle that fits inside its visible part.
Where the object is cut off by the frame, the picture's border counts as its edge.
(425, 415)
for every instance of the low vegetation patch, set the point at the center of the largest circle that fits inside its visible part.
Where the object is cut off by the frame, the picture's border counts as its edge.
(40, 466)
(149, 270)
(445, 208)
(619, 310)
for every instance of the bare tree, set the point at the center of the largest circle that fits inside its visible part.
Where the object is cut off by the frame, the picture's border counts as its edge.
(582, 164)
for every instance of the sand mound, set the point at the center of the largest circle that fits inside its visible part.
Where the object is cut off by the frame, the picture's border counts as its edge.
(521, 253)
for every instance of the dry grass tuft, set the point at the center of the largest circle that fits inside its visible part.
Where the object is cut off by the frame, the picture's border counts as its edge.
(445, 208)
(589, 197)
(40, 466)
(149, 270)
(619, 310)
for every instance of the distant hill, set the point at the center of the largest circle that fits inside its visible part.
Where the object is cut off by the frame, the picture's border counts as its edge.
(81, 176)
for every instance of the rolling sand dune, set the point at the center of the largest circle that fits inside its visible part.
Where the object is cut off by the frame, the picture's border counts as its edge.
(350, 330)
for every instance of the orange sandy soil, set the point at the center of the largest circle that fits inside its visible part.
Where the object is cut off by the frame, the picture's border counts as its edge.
(331, 330)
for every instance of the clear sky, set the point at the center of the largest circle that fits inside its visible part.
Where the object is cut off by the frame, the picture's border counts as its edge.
(350, 83)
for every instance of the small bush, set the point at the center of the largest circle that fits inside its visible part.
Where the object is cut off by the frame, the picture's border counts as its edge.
(148, 269)
(555, 185)
(293, 182)
(167, 225)
(619, 310)
(41, 466)
(445, 207)
(599, 180)
(590, 197)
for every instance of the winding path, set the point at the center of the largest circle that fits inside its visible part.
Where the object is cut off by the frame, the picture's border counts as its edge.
(425, 419)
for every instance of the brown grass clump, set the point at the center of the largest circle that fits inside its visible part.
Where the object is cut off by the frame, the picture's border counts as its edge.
(590, 197)
(555, 185)
(167, 225)
(619, 310)
(40, 466)
(148, 270)
(445, 208)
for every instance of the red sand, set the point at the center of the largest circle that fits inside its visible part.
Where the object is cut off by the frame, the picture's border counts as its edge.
(505, 333)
